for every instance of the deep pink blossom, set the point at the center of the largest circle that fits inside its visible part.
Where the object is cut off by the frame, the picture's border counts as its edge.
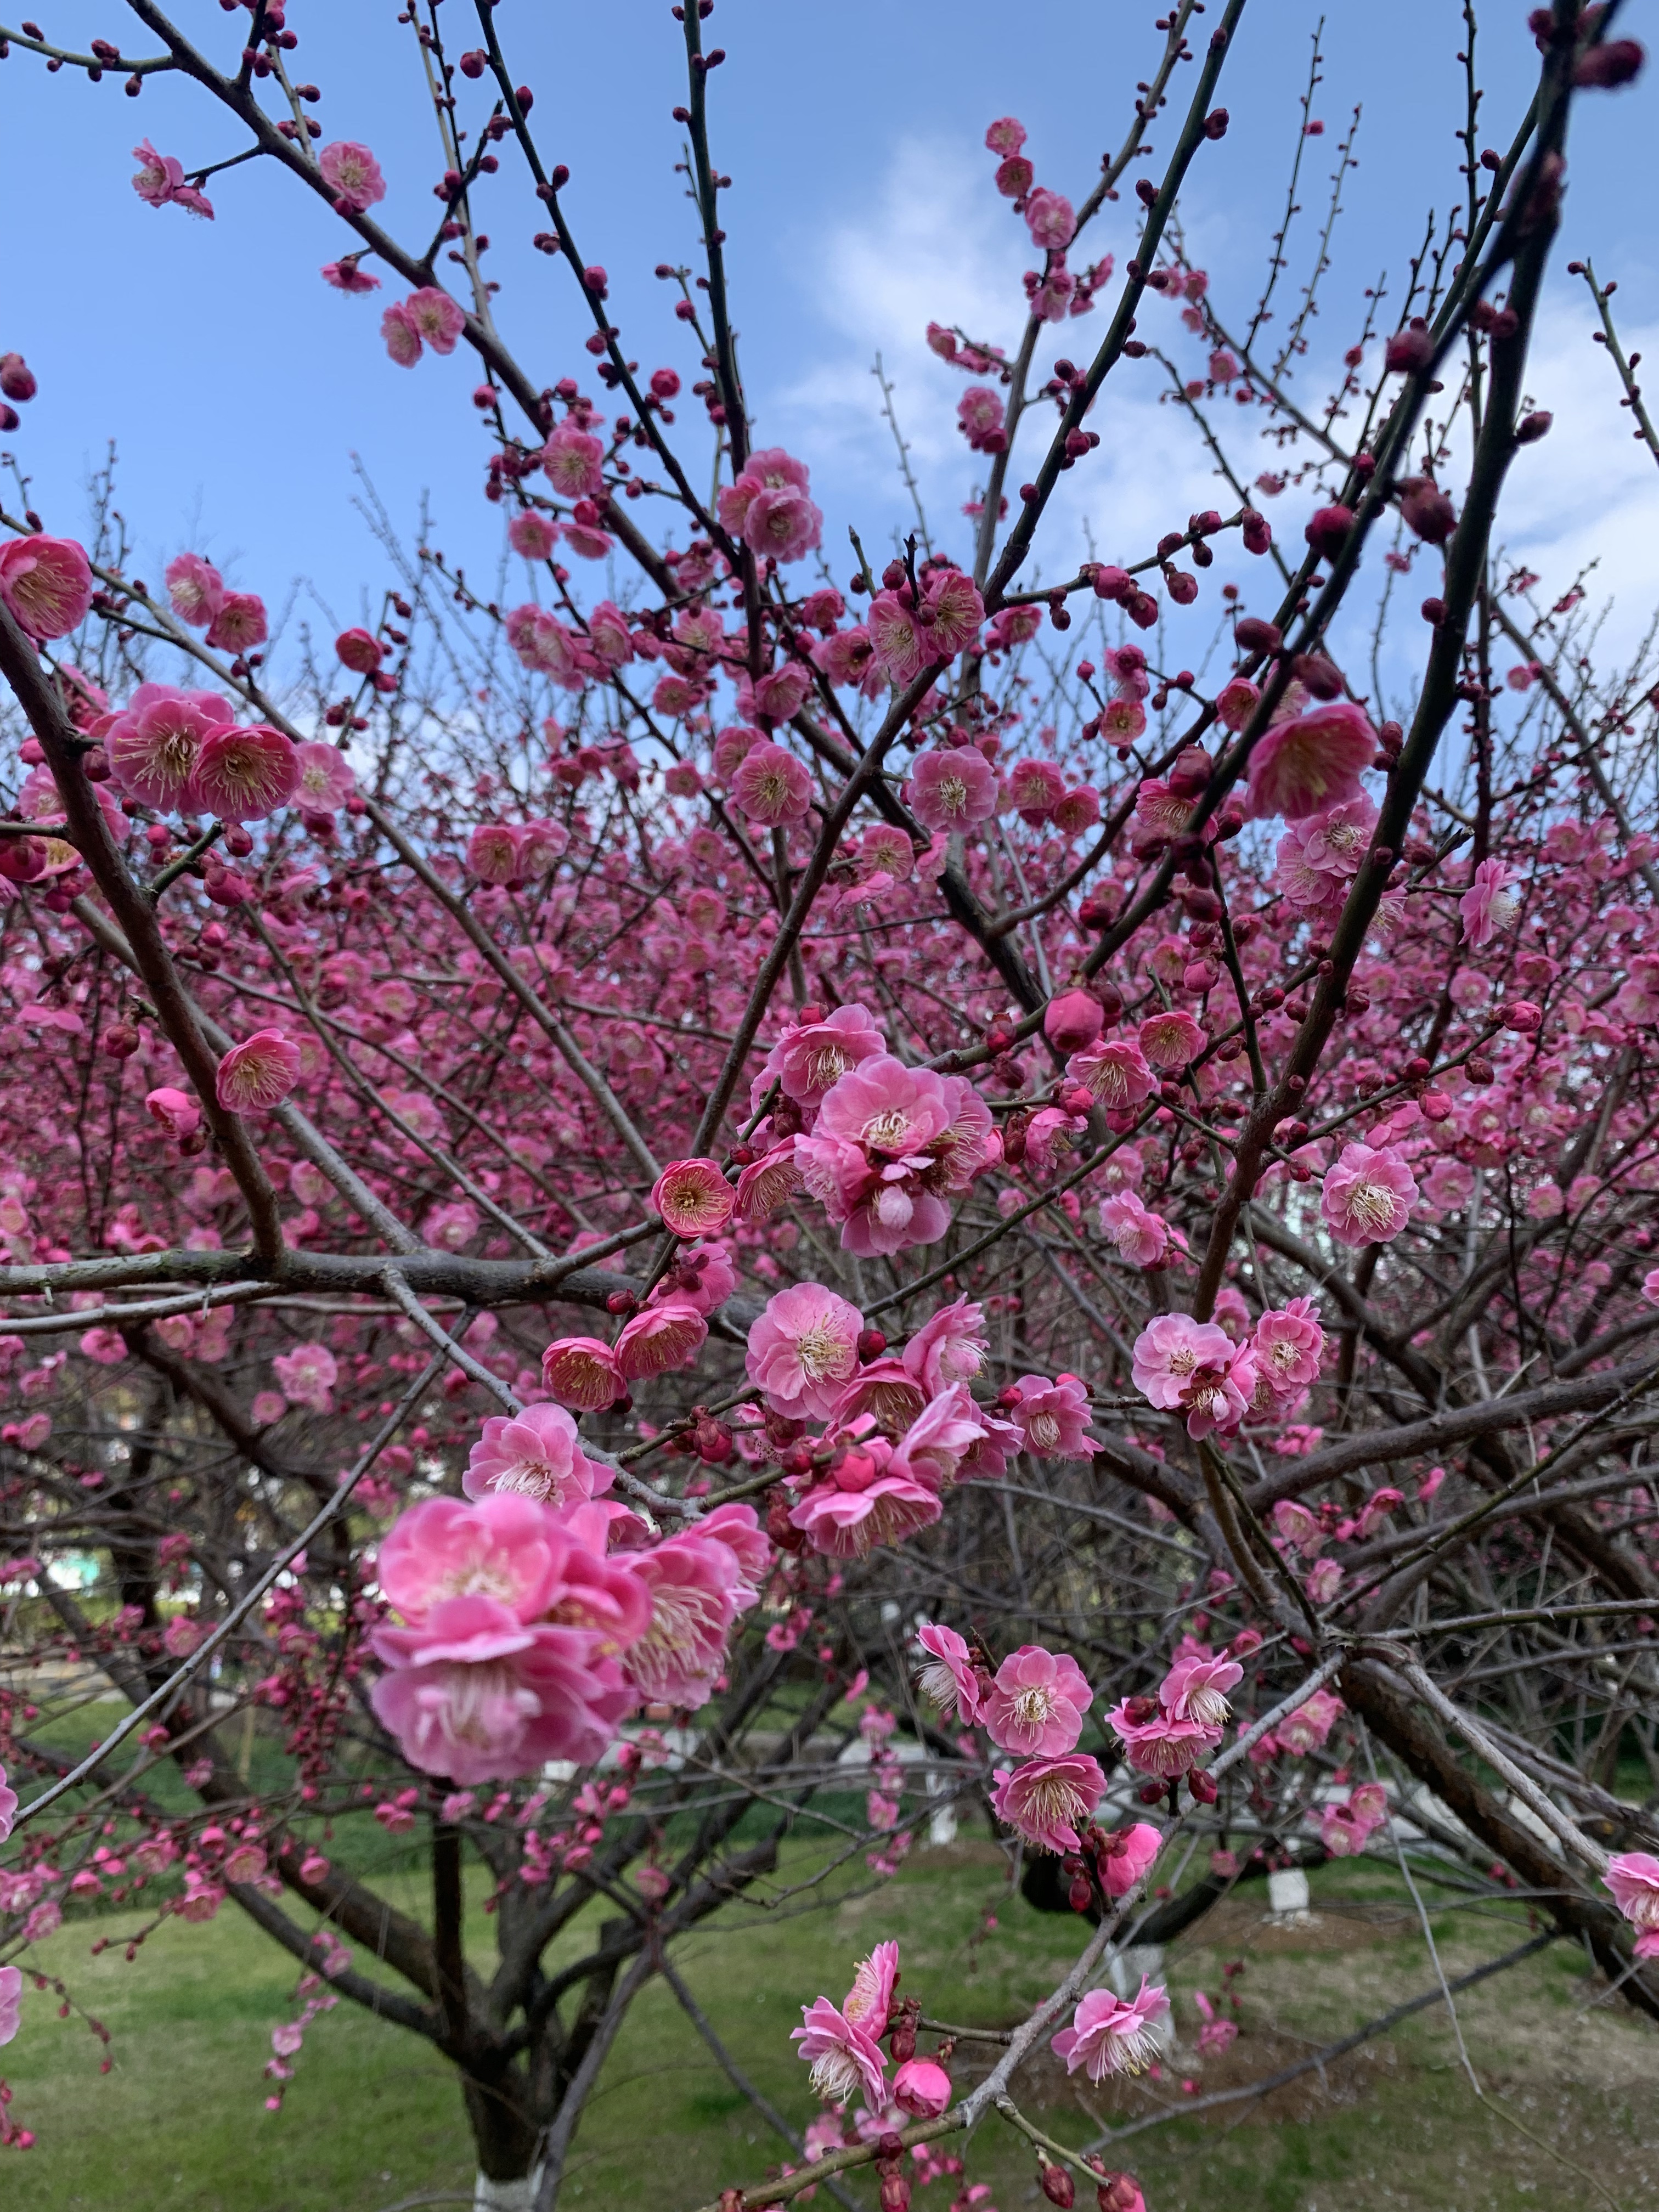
(892, 1142)
(1114, 1071)
(45, 585)
(160, 182)
(803, 1349)
(175, 1111)
(1050, 219)
(1037, 1703)
(1143, 1238)
(575, 463)
(244, 774)
(908, 636)
(1289, 1344)
(696, 1590)
(1301, 767)
(850, 1523)
(1490, 903)
(769, 508)
(868, 2003)
(196, 589)
(239, 624)
(693, 1197)
(1632, 1879)
(1195, 1690)
(1171, 1039)
(1128, 1857)
(922, 2088)
(949, 1348)
(259, 1074)
(1046, 1800)
(810, 1057)
(659, 1339)
(1368, 1194)
(1053, 1417)
(951, 790)
(772, 786)
(1155, 1741)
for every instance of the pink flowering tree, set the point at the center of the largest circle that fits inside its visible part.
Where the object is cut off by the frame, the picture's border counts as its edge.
(568, 1165)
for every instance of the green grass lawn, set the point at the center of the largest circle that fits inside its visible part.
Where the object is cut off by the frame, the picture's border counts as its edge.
(371, 2118)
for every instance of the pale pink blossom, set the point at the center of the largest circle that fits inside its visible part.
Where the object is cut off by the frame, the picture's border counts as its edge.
(803, 1349)
(307, 1375)
(1037, 1703)
(909, 636)
(1299, 1526)
(11, 2006)
(475, 1695)
(1324, 1579)
(947, 1432)
(1110, 2034)
(810, 1057)
(1142, 1237)
(326, 781)
(45, 585)
(950, 1681)
(1301, 767)
(1289, 1344)
(435, 318)
(1053, 1417)
(1195, 1690)
(846, 2062)
(951, 790)
(259, 1074)
(1046, 1800)
(8, 1806)
(1171, 1350)
(772, 786)
(1335, 841)
(538, 1453)
(697, 1591)
(848, 1523)
(1307, 1728)
(1632, 1879)
(354, 175)
(575, 463)
(1368, 1194)
(1490, 903)
(949, 1348)
(890, 1144)
(870, 2001)
(1127, 1857)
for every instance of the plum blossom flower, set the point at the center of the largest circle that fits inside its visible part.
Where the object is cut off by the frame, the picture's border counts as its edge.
(196, 589)
(1127, 1857)
(980, 417)
(952, 790)
(861, 1508)
(1053, 1417)
(696, 1590)
(845, 2061)
(243, 774)
(772, 786)
(950, 1681)
(306, 1375)
(1489, 904)
(693, 1197)
(1112, 2034)
(536, 1453)
(346, 275)
(1289, 1344)
(890, 1142)
(803, 1349)
(1195, 1690)
(259, 1074)
(160, 182)
(949, 1348)
(659, 1339)
(1171, 1039)
(1037, 1703)
(1050, 219)
(11, 2008)
(922, 2088)
(239, 624)
(1156, 1742)
(174, 1111)
(910, 637)
(45, 584)
(8, 1806)
(1632, 1880)
(1114, 1073)
(766, 506)
(1368, 1194)
(1142, 1237)
(582, 1371)
(353, 175)
(1046, 1800)
(1171, 1350)
(870, 2001)
(1307, 1728)
(1301, 767)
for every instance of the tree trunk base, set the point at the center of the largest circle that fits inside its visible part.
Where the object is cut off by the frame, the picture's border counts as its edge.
(518, 2195)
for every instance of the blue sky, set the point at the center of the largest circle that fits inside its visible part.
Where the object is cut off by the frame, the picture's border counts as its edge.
(238, 387)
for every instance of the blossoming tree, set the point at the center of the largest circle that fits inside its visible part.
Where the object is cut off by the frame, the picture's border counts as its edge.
(570, 1165)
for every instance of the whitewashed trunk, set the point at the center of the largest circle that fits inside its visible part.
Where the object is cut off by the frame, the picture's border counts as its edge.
(518, 2196)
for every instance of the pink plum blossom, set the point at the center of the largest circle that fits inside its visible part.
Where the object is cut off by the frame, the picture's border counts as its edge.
(244, 774)
(1142, 1237)
(845, 1522)
(1046, 1800)
(160, 182)
(196, 589)
(1110, 2034)
(1195, 1690)
(1053, 1417)
(1037, 1703)
(1050, 219)
(174, 1111)
(949, 1348)
(325, 778)
(11, 1994)
(922, 2088)
(1156, 1742)
(952, 790)
(1301, 767)
(259, 1074)
(1114, 1071)
(1490, 904)
(803, 1349)
(239, 624)
(1632, 1879)
(45, 586)
(353, 175)
(1289, 1344)
(950, 1680)
(1170, 1350)
(1307, 1728)
(868, 2003)
(696, 1590)
(909, 637)
(771, 787)
(693, 1197)
(846, 2062)
(536, 1454)
(1127, 1858)
(661, 1338)
(1171, 1040)
(1368, 1194)
(891, 1143)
